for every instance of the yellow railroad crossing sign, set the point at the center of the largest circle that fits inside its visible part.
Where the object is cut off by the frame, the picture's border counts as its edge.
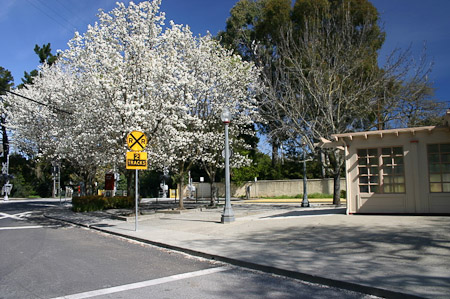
(136, 141)
(137, 160)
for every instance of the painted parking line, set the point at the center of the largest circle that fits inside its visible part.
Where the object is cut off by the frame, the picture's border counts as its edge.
(27, 227)
(143, 284)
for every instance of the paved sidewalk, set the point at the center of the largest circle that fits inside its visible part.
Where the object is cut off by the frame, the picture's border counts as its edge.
(391, 256)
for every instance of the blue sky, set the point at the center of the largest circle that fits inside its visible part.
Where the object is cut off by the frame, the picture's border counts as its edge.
(25, 23)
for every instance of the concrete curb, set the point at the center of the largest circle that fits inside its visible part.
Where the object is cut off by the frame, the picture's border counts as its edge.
(361, 288)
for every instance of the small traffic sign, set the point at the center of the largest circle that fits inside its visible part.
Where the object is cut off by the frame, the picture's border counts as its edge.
(136, 141)
(136, 160)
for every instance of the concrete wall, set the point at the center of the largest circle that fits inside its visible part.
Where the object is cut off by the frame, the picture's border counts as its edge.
(269, 188)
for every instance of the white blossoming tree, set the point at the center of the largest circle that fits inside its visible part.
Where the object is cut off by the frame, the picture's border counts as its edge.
(203, 78)
(126, 73)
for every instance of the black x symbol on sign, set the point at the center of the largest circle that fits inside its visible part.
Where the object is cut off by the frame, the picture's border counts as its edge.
(138, 142)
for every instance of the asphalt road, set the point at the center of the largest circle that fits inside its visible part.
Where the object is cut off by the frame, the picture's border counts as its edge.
(41, 258)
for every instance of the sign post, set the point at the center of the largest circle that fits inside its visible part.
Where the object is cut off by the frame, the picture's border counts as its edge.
(136, 159)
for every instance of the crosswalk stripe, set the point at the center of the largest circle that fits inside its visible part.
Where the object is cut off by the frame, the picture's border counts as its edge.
(143, 284)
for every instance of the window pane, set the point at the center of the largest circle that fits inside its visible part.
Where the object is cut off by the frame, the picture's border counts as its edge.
(386, 151)
(446, 177)
(388, 179)
(436, 187)
(446, 187)
(374, 188)
(387, 160)
(374, 179)
(439, 167)
(433, 148)
(363, 170)
(446, 168)
(373, 161)
(398, 150)
(364, 189)
(362, 152)
(445, 148)
(362, 161)
(400, 188)
(398, 160)
(398, 170)
(433, 158)
(435, 167)
(399, 179)
(387, 188)
(435, 178)
(373, 170)
(363, 180)
(445, 157)
(373, 152)
(387, 170)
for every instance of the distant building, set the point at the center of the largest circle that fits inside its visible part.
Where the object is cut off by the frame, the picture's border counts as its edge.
(398, 171)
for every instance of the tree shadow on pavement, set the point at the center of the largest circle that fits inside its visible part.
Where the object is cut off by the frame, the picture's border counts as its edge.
(401, 258)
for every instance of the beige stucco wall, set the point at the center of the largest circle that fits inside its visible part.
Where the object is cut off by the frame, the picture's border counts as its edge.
(417, 198)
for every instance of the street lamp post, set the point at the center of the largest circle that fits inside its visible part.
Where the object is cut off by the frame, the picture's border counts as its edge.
(227, 215)
(305, 202)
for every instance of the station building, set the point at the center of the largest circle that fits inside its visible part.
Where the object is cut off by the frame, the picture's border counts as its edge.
(401, 171)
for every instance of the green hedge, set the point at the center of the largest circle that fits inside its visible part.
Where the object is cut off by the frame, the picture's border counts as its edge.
(98, 203)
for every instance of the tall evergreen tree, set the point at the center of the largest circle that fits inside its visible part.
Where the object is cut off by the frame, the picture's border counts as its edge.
(45, 56)
(6, 82)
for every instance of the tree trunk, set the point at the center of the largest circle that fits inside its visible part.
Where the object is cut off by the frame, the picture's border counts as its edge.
(305, 202)
(335, 162)
(180, 192)
(129, 176)
(5, 140)
(213, 202)
(337, 188)
(212, 177)
(322, 164)
(275, 157)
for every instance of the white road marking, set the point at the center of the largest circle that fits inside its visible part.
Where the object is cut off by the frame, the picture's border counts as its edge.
(15, 216)
(27, 227)
(42, 205)
(143, 284)
(292, 217)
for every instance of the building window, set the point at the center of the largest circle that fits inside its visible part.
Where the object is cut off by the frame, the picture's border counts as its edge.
(392, 167)
(439, 167)
(381, 170)
(368, 170)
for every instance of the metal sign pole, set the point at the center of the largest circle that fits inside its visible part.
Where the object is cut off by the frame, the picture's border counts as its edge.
(136, 198)
(59, 182)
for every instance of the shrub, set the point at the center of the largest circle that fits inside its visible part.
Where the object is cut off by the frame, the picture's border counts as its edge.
(99, 203)
(120, 202)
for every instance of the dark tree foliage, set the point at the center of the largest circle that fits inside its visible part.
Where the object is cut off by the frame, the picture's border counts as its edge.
(45, 56)
(6, 82)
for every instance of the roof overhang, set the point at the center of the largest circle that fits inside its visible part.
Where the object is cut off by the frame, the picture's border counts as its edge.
(339, 140)
(382, 133)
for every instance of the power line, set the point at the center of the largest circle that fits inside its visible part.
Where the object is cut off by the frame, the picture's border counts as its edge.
(37, 102)
(48, 15)
(79, 16)
(49, 7)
